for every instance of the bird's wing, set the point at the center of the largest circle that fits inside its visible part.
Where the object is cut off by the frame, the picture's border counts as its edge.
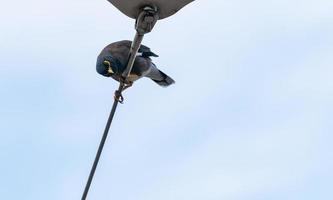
(146, 52)
(120, 50)
(125, 45)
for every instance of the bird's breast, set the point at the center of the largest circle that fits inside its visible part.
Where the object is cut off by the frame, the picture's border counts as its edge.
(132, 77)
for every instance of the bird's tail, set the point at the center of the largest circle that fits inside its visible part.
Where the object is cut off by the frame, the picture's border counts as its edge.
(165, 81)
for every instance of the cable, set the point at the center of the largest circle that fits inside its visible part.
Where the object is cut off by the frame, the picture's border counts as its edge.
(101, 145)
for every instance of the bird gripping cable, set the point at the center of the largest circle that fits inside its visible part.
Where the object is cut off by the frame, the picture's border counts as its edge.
(144, 24)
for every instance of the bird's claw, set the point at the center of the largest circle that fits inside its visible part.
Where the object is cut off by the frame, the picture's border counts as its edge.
(128, 85)
(118, 96)
(123, 86)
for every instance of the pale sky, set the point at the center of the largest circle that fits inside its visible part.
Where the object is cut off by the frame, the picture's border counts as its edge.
(249, 118)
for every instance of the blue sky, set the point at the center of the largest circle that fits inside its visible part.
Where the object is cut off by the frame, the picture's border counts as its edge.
(249, 118)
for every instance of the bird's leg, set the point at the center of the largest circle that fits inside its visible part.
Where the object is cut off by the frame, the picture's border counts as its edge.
(123, 86)
(128, 85)
(117, 94)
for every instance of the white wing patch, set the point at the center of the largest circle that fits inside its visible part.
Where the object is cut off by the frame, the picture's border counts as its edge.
(139, 54)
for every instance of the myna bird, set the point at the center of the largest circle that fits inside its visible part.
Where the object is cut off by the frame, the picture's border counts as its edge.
(112, 61)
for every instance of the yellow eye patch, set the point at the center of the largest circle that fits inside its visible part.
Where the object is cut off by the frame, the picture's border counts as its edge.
(107, 63)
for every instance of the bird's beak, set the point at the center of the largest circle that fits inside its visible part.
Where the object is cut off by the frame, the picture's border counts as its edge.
(108, 64)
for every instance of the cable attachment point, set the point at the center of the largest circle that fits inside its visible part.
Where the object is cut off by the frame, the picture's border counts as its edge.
(146, 20)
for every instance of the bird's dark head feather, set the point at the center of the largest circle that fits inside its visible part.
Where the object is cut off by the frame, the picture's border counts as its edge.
(107, 65)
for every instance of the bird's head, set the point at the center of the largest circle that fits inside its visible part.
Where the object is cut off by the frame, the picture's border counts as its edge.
(107, 65)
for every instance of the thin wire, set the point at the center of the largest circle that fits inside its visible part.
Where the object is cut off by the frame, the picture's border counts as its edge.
(101, 145)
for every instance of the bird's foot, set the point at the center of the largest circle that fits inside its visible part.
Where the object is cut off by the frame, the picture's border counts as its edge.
(128, 85)
(123, 86)
(118, 96)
